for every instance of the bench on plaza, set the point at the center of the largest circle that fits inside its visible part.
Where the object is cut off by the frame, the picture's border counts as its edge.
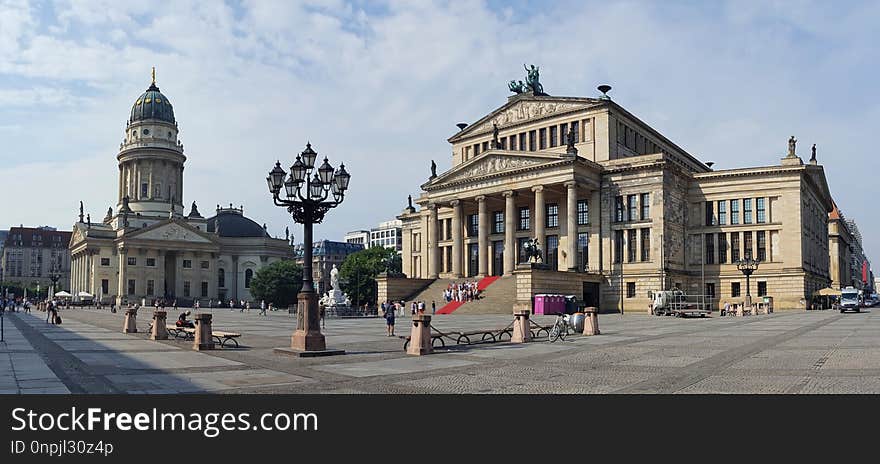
(189, 333)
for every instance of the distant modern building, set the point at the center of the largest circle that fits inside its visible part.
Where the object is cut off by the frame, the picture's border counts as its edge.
(325, 254)
(3, 235)
(360, 237)
(30, 253)
(387, 235)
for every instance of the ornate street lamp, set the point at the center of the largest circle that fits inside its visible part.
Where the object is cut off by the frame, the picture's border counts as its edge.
(54, 276)
(308, 195)
(747, 266)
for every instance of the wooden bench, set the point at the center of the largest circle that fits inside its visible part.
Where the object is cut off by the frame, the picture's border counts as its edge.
(223, 337)
(189, 333)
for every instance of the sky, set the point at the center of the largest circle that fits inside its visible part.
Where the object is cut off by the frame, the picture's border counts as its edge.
(380, 86)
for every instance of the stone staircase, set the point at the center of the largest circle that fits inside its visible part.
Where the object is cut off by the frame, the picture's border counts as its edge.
(498, 298)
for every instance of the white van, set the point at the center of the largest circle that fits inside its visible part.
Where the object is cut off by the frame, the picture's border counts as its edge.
(849, 299)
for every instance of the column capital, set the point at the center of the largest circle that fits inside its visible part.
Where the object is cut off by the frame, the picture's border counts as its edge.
(432, 206)
(538, 188)
(570, 184)
(480, 198)
(508, 193)
(454, 203)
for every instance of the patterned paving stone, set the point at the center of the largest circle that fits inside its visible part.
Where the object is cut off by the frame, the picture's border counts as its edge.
(732, 384)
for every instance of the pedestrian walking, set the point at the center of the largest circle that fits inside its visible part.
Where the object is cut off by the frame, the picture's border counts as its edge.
(433, 307)
(389, 322)
(421, 307)
(263, 307)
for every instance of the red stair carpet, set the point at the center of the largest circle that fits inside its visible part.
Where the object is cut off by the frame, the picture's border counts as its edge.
(450, 307)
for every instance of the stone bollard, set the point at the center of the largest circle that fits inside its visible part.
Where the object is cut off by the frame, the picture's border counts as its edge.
(130, 325)
(521, 331)
(591, 321)
(203, 339)
(420, 337)
(159, 331)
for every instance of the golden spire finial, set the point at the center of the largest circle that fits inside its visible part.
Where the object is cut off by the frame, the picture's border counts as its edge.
(154, 75)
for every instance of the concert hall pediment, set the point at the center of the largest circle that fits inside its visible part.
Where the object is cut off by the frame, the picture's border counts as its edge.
(171, 231)
(522, 110)
(492, 164)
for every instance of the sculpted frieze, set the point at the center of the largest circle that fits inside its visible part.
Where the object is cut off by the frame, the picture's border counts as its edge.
(493, 165)
(525, 111)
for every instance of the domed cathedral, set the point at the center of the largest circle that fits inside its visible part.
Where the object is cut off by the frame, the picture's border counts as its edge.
(148, 248)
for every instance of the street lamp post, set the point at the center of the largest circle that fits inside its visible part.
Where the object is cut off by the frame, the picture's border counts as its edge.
(747, 266)
(54, 276)
(307, 190)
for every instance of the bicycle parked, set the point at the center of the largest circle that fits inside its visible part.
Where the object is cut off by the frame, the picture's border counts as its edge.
(560, 328)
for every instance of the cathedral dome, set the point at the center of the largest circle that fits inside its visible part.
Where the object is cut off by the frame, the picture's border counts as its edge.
(232, 223)
(152, 105)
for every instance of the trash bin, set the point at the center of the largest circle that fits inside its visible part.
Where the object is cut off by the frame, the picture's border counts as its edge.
(577, 321)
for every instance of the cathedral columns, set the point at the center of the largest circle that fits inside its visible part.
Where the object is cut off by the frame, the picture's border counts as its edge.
(457, 238)
(121, 284)
(509, 229)
(571, 213)
(483, 237)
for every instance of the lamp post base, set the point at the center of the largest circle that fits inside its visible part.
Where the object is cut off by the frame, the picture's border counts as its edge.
(307, 341)
(307, 354)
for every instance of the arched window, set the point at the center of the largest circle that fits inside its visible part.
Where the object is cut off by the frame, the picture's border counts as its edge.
(221, 278)
(248, 275)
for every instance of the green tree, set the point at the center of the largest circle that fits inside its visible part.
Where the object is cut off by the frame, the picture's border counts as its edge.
(357, 275)
(278, 283)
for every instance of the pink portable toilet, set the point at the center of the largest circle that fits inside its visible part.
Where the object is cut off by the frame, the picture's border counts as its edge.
(540, 303)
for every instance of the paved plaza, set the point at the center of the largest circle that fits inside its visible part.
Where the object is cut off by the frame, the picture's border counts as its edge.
(785, 352)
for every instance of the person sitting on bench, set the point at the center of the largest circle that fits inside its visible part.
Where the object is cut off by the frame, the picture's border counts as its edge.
(182, 322)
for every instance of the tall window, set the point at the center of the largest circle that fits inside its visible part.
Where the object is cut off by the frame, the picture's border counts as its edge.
(583, 241)
(631, 245)
(512, 143)
(734, 290)
(498, 222)
(524, 218)
(618, 246)
(131, 287)
(582, 213)
(542, 139)
(710, 213)
(761, 214)
(618, 209)
(476, 149)
(522, 141)
(747, 210)
(521, 249)
(722, 213)
(747, 245)
(473, 225)
(709, 245)
(563, 133)
(576, 128)
(645, 203)
(144, 190)
(553, 251)
(734, 212)
(762, 288)
(532, 136)
(221, 278)
(186, 288)
(722, 248)
(734, 246)
(105, 286)
(552, 215)
(762, 245)
(630, 289)
(710, 291)
(646, 244)
(553, 137)
(631, 208)
(204, 289)
(150, 287)
(248, 275)
(448, 228)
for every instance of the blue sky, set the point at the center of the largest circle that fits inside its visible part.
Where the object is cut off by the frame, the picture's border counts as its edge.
(380, 86)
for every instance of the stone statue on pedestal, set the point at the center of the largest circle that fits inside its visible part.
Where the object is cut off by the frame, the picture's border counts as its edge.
(792, 142)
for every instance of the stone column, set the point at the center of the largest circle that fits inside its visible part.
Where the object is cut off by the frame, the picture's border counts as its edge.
(540, 219)
(203, 339)
(595, 218)
(483, 238)
(572, 225)
(121, 284)
(509, 229)
(457, 238)
(433, 239)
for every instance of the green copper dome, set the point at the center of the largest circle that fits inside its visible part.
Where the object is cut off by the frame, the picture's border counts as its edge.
(152, 105)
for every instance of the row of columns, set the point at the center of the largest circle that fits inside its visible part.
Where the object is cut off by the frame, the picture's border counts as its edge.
(431, 226)
(81, 275)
